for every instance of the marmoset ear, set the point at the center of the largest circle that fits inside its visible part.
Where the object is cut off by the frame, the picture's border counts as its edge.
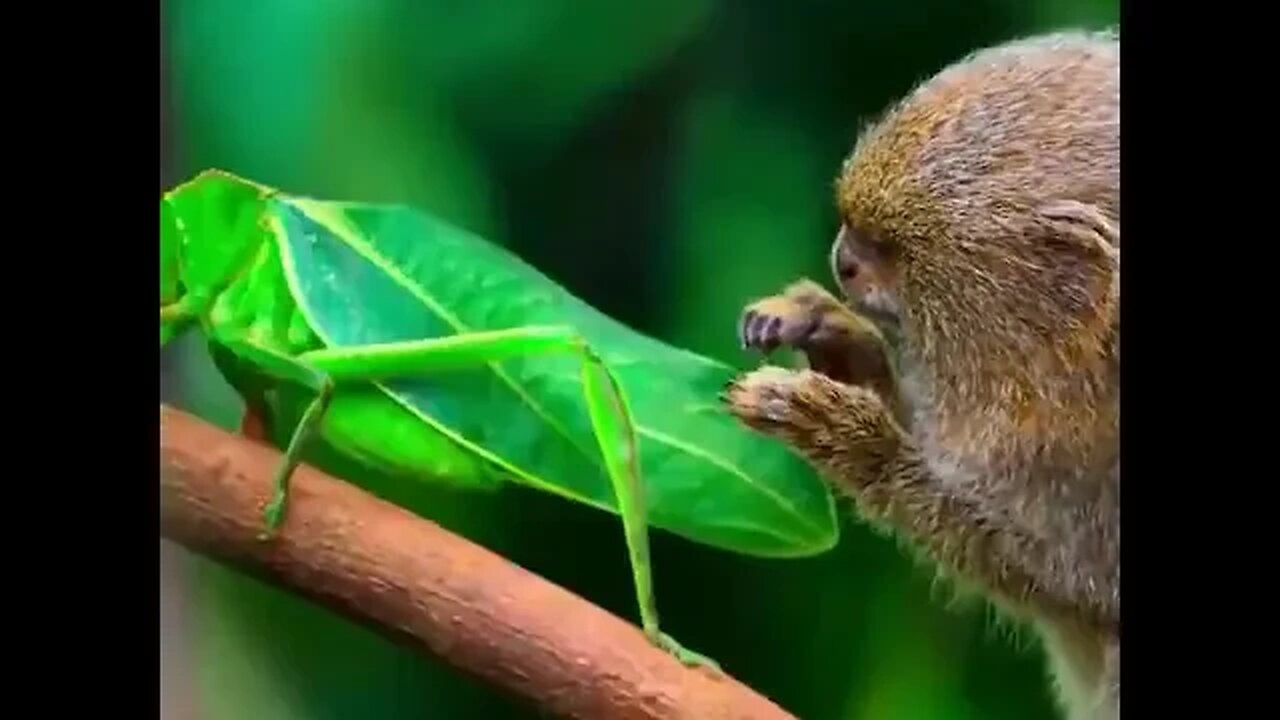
(1088, 243)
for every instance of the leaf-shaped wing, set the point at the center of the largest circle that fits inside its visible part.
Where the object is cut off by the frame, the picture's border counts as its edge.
(372, 274)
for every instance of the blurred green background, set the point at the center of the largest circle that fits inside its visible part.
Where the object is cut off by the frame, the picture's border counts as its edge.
(666, 161)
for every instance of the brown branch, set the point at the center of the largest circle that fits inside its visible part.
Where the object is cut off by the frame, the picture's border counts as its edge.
(380, 564)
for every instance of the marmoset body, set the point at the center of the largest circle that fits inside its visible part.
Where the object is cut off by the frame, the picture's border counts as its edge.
(966, 392)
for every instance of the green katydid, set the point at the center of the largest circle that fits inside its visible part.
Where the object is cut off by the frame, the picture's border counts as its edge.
(418, 349)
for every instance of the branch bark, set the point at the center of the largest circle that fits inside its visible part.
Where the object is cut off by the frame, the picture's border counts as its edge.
(380, 564)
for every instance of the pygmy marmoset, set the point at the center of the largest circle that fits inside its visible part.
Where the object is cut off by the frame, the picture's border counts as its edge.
(972, 404)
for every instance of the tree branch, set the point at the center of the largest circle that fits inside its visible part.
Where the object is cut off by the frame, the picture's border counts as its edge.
(380, 564)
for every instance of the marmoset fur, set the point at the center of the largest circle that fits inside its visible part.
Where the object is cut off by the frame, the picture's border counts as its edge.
(971, 404)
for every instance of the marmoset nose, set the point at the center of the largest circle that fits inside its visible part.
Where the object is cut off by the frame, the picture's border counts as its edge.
(843, 263)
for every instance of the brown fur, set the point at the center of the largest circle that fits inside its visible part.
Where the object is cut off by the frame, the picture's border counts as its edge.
(981, 232)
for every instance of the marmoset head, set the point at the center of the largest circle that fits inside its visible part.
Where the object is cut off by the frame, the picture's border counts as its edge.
(979, 216)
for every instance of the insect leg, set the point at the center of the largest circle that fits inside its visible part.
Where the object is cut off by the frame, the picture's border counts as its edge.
(610, 416)
(614, 428)
(287, 369)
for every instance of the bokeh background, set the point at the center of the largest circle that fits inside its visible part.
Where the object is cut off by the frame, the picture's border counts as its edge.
(667, 161)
